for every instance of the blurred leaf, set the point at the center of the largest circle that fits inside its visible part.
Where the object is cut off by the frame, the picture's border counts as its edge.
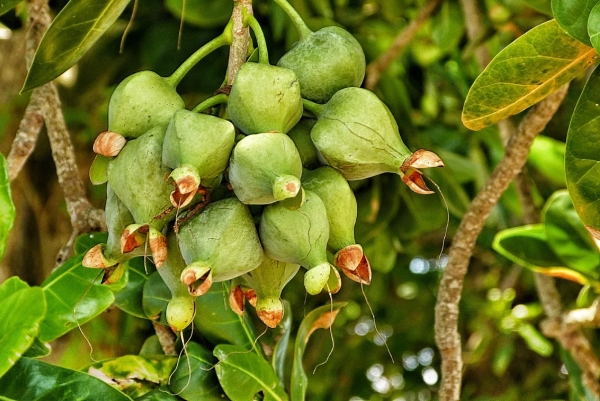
(31, 379)
(74, 295)
(583, 153)
(523, 73)
(381, 252)
(7, 5)
(572, 16)
(130, 298)
(218, 323)
(568, 236)
(155, 297)
(320, 318)
(543, 6)
(448, 26)
(38, 349)
(202, 13)
(201, 383)
(593, 26)
(72, 33)
(535, 340)
(151, 346)
(547, 155)
(579, 391)
(7, 208)
(377, 206)
(503, 356)
(243, 374)
(85, 242)
(280, 351)
(20, 315)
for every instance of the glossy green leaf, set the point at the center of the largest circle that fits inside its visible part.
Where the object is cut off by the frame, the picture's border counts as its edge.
(72, 33)
(218, 323)
(129, 299)
(280, 350)
(547, 155)
(593, 26)
(320, 318)
(202, 13)
(7, 208)
(572, 16)
(568, 237)
(155, 297)
(74, 295)
(7, 5)
(243, 374)
(12, 285)
(582, 155)
(34, 380)
(38, 349)
(523, 73)
(20, 317)
(195, 378)
(85, 242)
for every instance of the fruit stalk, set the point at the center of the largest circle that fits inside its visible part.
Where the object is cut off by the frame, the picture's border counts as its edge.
(303, 30)
(263, 53)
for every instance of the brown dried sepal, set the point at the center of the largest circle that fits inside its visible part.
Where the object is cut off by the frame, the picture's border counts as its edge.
(414, 180)
(349, 257)
(133, 237)
(198, 284)
(94, 258)
(236, 299)
(362, 273)
(113, 274)
(270, 317)
(422, 159)
(250, 296)
(158, 247)
(109, 143)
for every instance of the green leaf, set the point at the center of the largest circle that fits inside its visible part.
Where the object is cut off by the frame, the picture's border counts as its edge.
(320, 318)
(38, 349)
(152, 346)
(74, 30)
(202, 13)
(547, 155)
(7, 208)
(158, 395)
(568, 236)
(35, 380)
(12, 285)
(572, 16)
(7, 5)
(155, 297)
(582, 155)
(99, 170)
(243, 374)
(448, 26)
(130, 298)
(526, 71)
(74, 296)
(85, 242)
(535, 340)
(543, 6)
(20, 317)
(579, 391)
(194, 378)
(280, 351)
(593, 26)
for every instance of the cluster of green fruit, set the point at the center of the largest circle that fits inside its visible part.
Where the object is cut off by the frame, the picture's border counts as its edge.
(213, 204)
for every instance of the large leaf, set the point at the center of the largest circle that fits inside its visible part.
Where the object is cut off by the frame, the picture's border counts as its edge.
(12, 285)
(7, 208)
(243, 374)
(582, 155)
(33, 380)
(320, 318)
(7, 5)
(195, 378)
(593, 26)
(20, 315)
(74, 30)
(129, 299)
(74, 295)
(572, 16)
(568, 237)
(526, 71)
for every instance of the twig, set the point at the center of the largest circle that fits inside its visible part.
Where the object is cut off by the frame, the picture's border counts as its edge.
(166, 338)
(26, 137)
(382, 63)
(241, 35)
(446, 310)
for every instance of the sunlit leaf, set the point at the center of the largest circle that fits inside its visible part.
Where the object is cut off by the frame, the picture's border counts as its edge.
(129, 299)
(7, 5)
(74, 30)
(202, 13)
(20, 317)
(7, 208)
(74, 295)
(243, 374)
(582, 155)
(320, 318)
(31, 379)
(572, 16)
(526, 71)
(547, 155)
(11, 285)
(195, 378)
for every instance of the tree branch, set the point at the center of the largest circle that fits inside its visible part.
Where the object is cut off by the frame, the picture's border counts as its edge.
(241, 35)
(382, 63)
(446, 310)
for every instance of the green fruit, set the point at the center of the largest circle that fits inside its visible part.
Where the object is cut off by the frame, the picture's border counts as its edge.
(181, 307)
(265, 168)
(299, 236)
(264, 98)
(141, 101)
(218, 244)
(300, 134)
(326, 61)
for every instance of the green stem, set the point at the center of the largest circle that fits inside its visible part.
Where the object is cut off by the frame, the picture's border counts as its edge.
(303, 30)
(211, 102)
(315, 108)
(221, 40)
(263, 53)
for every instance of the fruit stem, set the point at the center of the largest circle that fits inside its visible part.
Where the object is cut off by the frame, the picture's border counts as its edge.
(221, 40)
(303, 30)
(263, 53)
(315, 108)
(211, 102)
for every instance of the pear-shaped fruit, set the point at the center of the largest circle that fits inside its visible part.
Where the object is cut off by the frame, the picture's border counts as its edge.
(264, 98)
(141, 101)
(197, 146)
(268, 281)
(181, 307)
(218, 244)
(265, 168)
(300, 134)
(299, 236)
(325, 61)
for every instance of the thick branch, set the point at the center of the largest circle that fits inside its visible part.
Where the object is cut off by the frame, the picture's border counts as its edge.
(166, 338)
(446, 311)
(382, 63)
(26, 137)
(241, 35)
